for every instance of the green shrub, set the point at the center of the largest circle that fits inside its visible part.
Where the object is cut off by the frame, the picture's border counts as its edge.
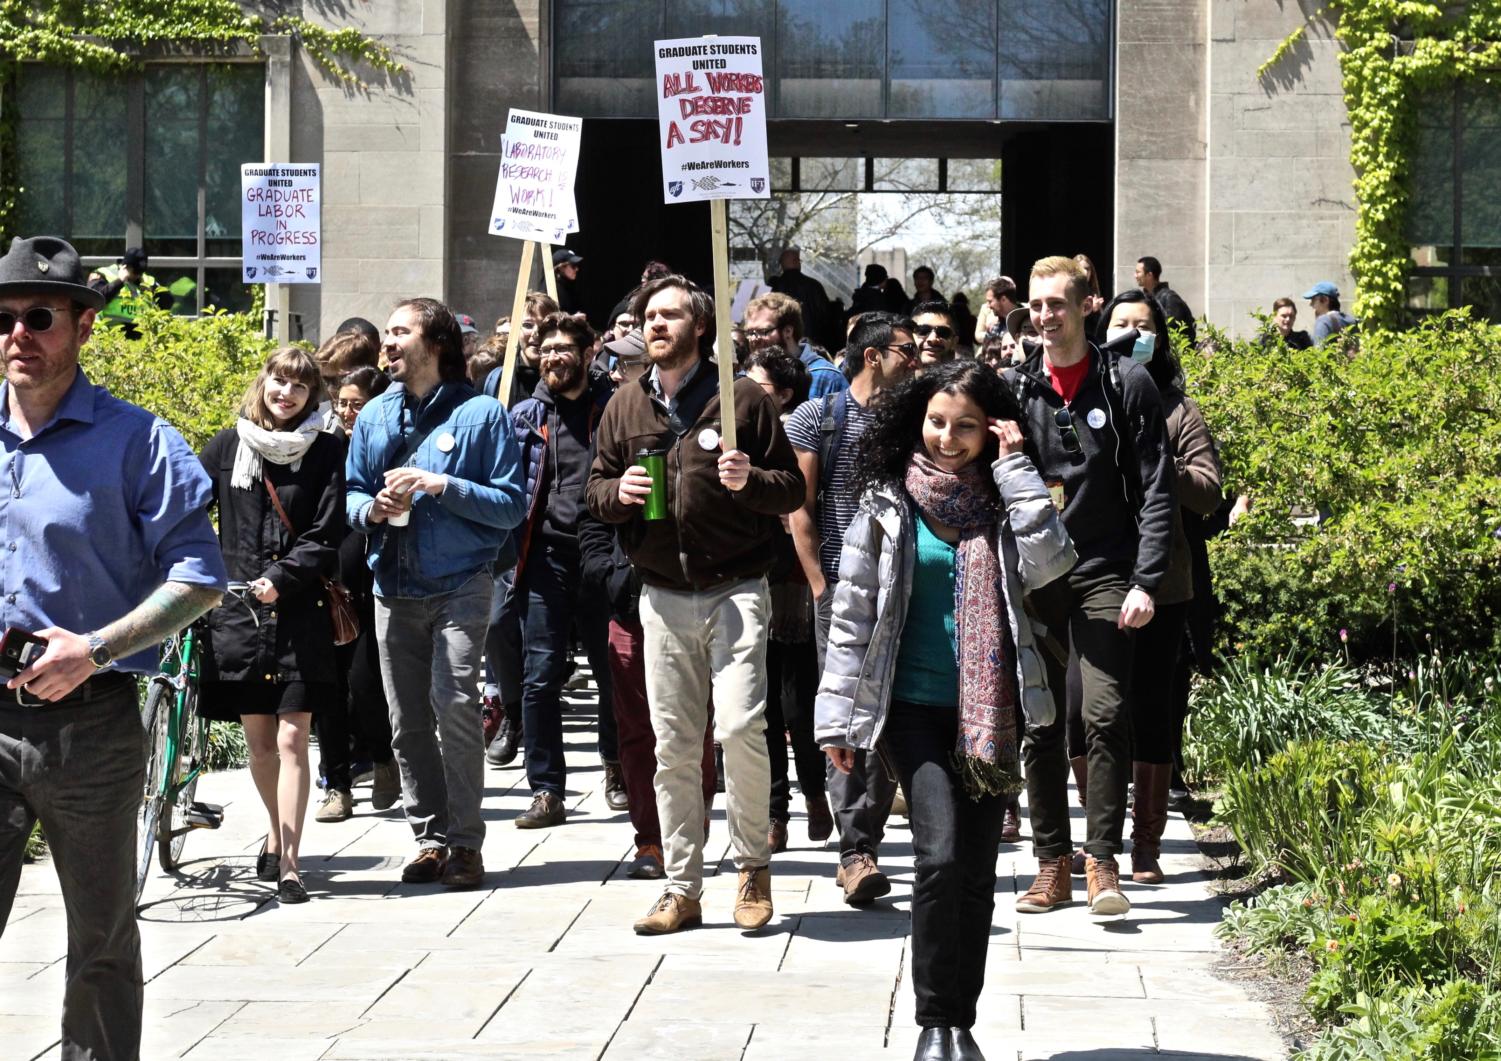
(226, 746)
(1455, 1021)
(191, 372)
(1384, 942)
(1285, 917)
(1398, 446)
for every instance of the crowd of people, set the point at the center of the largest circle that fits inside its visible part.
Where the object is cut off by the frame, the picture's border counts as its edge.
(946, 561)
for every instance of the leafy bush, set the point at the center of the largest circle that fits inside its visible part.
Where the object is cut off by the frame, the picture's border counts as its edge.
(1397, 448)
(226, 746)
(1456, 1021)
(191, 372)
(1285, 917)
(1383, 942)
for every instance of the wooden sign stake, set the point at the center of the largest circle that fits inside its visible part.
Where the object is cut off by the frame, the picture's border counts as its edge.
(548, 272)
(720, 231)
(518, 307)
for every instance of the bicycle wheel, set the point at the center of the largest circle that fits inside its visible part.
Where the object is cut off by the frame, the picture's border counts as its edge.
(192, 747)
(156, 719)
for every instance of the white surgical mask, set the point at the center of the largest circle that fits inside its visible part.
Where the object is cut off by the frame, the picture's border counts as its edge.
(1144, 347)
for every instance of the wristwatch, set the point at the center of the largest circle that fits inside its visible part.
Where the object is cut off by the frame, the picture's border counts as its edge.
(99, 654)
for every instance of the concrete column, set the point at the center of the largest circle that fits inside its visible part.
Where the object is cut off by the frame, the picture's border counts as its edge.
(278, 52)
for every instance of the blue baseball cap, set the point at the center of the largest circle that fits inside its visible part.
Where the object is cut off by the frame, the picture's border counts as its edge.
(1323, 287)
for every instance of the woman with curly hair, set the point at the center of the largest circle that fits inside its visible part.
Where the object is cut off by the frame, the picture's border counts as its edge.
(932, 655)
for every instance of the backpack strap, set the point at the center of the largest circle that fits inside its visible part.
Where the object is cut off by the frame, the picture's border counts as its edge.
(831, 433)
(1126, 463)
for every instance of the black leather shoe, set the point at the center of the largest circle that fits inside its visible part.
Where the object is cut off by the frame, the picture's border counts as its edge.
(615, 795)
(267, 865)
(290, 891)
(502, 750)
(933, 1045)
(962, 1046)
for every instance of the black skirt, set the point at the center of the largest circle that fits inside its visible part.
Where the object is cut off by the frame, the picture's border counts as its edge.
(227, 701)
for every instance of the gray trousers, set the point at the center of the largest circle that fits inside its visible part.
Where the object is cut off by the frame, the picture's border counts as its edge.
(80, 771)
(430, 650)
(861, 799)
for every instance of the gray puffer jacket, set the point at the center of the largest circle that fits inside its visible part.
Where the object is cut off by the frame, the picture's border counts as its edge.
(875, 581)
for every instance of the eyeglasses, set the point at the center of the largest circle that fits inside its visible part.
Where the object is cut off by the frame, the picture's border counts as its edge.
(37, 319)
(1067, 433)
(354, 405)
(922, 331)
(559, 348)
(760, 333)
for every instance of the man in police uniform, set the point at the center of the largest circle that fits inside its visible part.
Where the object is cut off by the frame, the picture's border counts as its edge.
(108, 549)
(124, 285)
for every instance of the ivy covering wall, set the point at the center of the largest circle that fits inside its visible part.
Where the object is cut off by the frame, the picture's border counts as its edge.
(1394, 51)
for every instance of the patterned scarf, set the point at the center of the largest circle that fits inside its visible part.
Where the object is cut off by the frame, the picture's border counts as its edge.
(257, 444)
(986, 756)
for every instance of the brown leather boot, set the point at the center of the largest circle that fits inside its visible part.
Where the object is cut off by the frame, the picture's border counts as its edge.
(1104, 880)
(1148, 820)
(1080, 766)
(1051, 888)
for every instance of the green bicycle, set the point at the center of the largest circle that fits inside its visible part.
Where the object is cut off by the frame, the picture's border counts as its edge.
(178, 741)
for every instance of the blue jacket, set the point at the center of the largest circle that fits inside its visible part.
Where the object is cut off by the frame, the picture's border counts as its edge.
(824, 374)
(470, 439)
(530, 419)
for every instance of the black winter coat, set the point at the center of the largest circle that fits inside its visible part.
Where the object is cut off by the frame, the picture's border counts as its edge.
(295, 639)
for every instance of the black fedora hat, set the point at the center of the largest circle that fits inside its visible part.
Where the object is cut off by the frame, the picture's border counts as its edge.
(47, 265)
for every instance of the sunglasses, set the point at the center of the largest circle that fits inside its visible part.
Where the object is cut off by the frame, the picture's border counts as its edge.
(1067, 433)
(943, 331)
(760, 333)
(907, 350)
(36, 319)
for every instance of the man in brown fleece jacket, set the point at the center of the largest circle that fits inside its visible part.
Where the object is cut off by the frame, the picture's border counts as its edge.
(704, 602)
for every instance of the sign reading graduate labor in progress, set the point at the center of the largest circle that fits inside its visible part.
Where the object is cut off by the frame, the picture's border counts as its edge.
(711, 109)
(539, 156)
(281, 222)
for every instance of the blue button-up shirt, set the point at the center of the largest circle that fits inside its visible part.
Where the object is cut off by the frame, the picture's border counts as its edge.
(98, 508)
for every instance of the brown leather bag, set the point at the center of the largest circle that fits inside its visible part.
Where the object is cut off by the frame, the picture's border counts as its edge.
(346, 620)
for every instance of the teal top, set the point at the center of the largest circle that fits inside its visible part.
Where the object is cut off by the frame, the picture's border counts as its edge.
(926, 669)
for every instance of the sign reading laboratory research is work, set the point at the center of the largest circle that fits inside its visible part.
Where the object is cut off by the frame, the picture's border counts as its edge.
(281, 222)
(711, 107)
(539, 156)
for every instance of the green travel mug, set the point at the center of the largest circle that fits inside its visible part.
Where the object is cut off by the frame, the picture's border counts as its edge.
(655, 463)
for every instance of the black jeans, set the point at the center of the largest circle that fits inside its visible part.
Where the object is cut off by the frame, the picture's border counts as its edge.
(1156, 721)
(791, 685)
(553, 604)
(80, 770)
(362, 712)
(955, 840)
(1086, 607)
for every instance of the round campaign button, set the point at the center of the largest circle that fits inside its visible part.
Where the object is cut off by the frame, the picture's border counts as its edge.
(1096, 418)
(708, 439)
(446, 442)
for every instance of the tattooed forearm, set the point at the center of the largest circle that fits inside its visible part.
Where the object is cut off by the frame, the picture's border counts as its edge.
(170, 608)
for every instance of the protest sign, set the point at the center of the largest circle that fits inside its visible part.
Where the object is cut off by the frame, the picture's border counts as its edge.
(711, 111)
(280, 219)
(539, 156)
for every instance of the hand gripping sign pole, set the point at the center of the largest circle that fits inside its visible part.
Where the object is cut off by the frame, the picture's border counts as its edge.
(711, 109)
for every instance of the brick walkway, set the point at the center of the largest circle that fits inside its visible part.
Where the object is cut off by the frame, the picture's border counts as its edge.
(541, 962)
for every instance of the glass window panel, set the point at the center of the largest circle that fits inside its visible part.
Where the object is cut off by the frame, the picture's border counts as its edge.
(182, 285)
(1480, 159)
(727, 18)
(41, 130)
(974, 175)
(832, 174)
(941, 56)
(236, 128)
(781, 174)
(1430, 207)
(1483, 293)
(906, 174)
(223, 290)
(172, 159)
(1427, 295)
(603, 56)
(1055, 59)
(99, 138)
(830, 58)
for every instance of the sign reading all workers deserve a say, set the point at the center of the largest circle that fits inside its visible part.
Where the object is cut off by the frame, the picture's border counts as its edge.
(539, 157)
(281, 222)
(711, 107)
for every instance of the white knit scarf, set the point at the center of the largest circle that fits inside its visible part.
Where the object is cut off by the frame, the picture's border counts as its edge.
(257, 444)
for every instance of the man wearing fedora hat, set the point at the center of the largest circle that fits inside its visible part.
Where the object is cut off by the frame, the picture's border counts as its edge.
(108, 550)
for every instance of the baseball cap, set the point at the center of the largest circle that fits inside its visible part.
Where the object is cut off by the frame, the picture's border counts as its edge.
(633, 345)
(134, 257)
(1323, 287)
(466, 324)
(564, 256)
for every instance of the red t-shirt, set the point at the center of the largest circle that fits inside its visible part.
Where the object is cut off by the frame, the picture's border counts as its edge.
(1066, 381)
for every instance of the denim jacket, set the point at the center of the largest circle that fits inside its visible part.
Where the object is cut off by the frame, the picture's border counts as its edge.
(469, 438)
(875, 580)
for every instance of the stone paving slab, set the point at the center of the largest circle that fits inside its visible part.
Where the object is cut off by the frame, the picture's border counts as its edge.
(540, 962)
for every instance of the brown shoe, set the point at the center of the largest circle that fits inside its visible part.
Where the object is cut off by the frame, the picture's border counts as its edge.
(337, 806)
(427, 867)
(863, 883)
(1011, 826)
(1105, 895)
(820, 819)
(1148, 820)
(671, 913)
(466, 869)
(776, 837)
(546, 811)
(753, 898)
(1051, 888)
(1076, 864)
